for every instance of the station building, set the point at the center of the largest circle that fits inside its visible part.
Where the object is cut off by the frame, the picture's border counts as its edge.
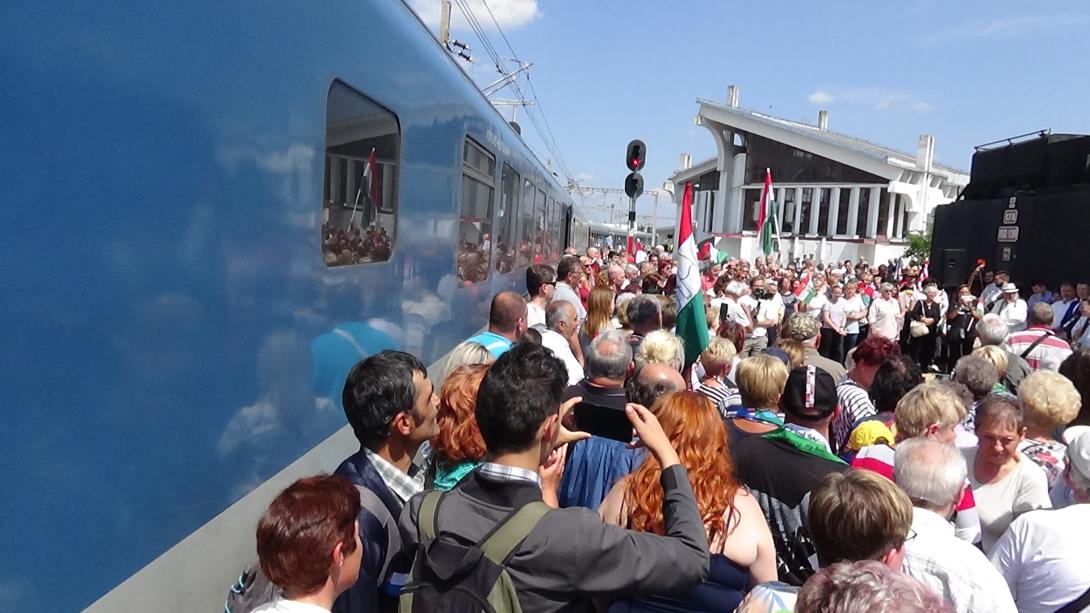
(838, 197)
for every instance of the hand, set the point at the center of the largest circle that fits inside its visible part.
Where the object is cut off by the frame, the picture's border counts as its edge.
(566, 436)
(651, 435)
(551, 472)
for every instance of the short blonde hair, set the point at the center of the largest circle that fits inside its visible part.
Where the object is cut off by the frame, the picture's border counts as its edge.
(465, 353)
(760, 380)
(996, 355)
(720, 353)
(661, 347)
(1049, 399)
(925, 405)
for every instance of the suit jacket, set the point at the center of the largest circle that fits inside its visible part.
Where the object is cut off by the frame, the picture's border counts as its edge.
(573, 556)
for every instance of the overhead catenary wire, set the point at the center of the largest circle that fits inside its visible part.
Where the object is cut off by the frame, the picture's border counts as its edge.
(544, 132)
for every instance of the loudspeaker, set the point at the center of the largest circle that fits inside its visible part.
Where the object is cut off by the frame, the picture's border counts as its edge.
(953, 267)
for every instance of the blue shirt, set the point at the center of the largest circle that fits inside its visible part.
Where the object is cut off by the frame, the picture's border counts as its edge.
(491, 341)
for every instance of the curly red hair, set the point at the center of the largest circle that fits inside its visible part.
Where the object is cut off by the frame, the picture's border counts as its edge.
(459, 438)
(697, 433)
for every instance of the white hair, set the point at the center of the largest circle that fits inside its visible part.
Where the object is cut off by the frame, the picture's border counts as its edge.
(932, 473)
(867, 586)
(661, 347)
(992, 330)
(464, 353)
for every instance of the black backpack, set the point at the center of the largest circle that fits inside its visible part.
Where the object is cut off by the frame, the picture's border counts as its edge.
(449, 577)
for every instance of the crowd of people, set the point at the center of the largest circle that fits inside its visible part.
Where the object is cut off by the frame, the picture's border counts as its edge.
(851, 438)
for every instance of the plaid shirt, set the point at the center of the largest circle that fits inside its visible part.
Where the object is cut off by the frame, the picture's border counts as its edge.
(510, 473)
(401, 485)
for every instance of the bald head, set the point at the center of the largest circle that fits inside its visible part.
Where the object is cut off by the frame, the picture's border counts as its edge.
(651, 382)
(507, 316)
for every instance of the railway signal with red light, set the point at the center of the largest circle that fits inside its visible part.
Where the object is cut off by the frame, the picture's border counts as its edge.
(637, 154)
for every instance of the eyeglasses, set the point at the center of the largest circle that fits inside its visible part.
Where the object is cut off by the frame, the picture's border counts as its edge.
(911, 535)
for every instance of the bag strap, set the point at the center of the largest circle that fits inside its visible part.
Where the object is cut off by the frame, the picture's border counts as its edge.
(1076, 605)
(376, 506)
(425, 521)
(1034, 344)
(502, 542)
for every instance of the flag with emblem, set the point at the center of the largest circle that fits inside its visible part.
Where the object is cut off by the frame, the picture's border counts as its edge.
(692, 324)
(767, 214)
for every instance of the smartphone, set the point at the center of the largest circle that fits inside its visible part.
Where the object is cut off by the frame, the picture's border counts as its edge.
(606, 422)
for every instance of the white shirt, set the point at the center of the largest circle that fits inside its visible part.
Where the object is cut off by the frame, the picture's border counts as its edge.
(735, 312)
(1045, 558)
(885, 318)
(1025, 488)
(990, 293)
(817, 304)
(1012, 313)
(289, 606)
(766, 310)
(566, 293)
(1059, 309)
(852, 305)
(954, 569)
(535, 315)
(556, 343)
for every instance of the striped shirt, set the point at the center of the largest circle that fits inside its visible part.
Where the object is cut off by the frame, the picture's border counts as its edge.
(855, 404)
(1047, 355)
(724, 397)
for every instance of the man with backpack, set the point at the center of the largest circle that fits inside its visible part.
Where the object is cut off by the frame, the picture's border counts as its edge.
(491, 544)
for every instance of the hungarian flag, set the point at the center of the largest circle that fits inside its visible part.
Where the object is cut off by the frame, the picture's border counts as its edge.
(766, 214)
(692, 324)
(706, 250)
(369, 181)
(805, 292)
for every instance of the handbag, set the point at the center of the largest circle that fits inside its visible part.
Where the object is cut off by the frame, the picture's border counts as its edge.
(918, 329)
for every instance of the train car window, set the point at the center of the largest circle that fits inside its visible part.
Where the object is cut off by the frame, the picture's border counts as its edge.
(475, 223)
(507, 217)
(526, 225)
(359, 204)
(554, 255)
(539, 227)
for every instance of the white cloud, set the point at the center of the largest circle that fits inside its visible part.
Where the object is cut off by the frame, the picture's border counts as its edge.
(510, 14)
(878, 98)
(1010, 27)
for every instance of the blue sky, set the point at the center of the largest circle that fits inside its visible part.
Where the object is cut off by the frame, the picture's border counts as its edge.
(966, 72)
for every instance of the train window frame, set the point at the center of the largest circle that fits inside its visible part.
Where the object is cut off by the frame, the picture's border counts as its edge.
(341, 241)
(475, 177)
(507, 217)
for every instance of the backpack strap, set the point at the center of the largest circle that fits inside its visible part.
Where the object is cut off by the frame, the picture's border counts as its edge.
(502, 542)
(425, 521)
(1039, 340)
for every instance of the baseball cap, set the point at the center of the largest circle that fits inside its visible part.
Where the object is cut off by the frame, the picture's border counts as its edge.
(802, 326)
(809, 392)
(1078, 448)
(870, 432)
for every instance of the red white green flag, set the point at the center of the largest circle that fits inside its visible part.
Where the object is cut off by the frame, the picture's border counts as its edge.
(767, 214)
(692, 324)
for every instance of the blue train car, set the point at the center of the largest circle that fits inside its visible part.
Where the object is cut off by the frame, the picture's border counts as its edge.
(210, 211)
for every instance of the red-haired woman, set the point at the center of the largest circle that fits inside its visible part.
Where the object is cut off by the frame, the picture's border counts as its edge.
(459, 447)
(308, 543)
(740, 542)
